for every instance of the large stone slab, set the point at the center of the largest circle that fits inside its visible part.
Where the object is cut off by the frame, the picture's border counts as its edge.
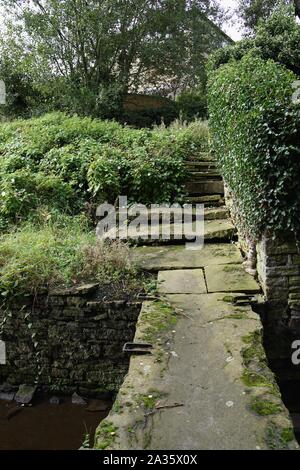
(216, 230)
(191, 387)
(153, 258)
(181, 281)
(230, 278)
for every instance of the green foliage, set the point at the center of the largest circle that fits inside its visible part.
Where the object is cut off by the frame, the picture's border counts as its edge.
(22, 192)
(63, 161)
(61, 252)
(192, 105)
(64, 56)
(255, 130)
(150, 117)
(278, 38)
(264, 407)
(103, 175)
(253, 11)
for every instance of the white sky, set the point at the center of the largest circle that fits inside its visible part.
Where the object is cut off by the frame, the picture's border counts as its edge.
(232, 27)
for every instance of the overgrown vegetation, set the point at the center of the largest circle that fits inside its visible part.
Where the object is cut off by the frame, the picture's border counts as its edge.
(61, 252)
(64, 56)
(255, 128)
(66, 162)
(55, 170)
(277, 38)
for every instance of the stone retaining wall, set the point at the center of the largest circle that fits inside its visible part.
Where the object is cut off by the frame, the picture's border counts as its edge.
(278, 267)
(68, 341)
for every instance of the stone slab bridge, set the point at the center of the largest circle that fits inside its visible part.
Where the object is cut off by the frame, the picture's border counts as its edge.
(206, 384)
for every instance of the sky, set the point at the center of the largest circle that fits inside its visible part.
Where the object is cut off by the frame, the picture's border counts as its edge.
(232, 27)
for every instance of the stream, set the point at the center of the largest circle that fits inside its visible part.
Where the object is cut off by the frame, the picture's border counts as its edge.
(44, 426)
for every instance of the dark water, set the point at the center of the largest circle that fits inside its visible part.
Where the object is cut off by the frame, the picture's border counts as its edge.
(50, 427)
(290, 390)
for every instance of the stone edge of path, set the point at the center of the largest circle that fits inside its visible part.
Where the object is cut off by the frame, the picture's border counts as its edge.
(129, 424)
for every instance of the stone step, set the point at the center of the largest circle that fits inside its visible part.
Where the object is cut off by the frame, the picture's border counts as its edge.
(214, 230)
(211, 200)
(203, 188)
(230, 278)
(209, 164)
(203, 156)
(205, 174)
(161, 258)
(216, 213)
(181, 281)
(176, 214)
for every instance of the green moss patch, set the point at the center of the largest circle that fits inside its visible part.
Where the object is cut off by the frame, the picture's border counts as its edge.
(158, 319)
(264, 407)
(278, 438)
(106, 435)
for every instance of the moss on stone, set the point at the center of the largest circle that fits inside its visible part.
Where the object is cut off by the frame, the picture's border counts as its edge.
(252, 379)
(230, 268)
(229, 299)
(158, 318)
(237, 316)
(277, 437)
(117, 407)
(148, 401)
(105, 435)
(264, 407)
(254, 350)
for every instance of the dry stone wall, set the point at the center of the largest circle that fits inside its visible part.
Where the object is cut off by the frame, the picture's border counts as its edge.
(68, 341)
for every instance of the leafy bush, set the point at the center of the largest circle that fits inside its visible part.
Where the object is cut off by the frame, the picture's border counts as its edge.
(277, 38)
(192, 105)
(71, 162)
(150, 173)
(256, 135)
(93, 161)
(22, 192)
(33, 138)
(103, 175)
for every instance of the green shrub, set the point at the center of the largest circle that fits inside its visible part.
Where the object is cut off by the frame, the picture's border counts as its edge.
(22, 192)
(192, 105)
(103, 175)
(277, 38)
(256, 134)
(99, 159)
(71, 162)
(33, 138)
(158, 170)
(150, 173)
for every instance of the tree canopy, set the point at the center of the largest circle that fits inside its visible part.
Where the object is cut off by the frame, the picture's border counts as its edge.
(252, 11)
(98, 50)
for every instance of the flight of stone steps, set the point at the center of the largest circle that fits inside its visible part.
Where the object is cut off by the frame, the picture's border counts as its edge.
(204, 186)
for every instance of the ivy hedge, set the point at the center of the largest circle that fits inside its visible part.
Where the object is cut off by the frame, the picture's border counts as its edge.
(255, 128)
